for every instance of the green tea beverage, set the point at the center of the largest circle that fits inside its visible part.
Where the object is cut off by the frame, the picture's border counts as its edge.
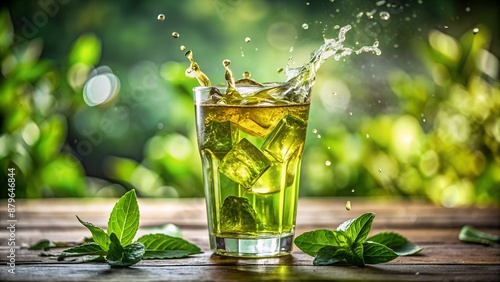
(251, 137)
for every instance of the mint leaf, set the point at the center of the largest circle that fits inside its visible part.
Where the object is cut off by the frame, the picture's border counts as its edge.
(99, 236)
(119, 256)
(399, 244)
(472, 235)
(354, 255)
(124, 219)
(165, 246)
(330, 255)
(374, 253)
(43, 244)
(87, 249)
(311, 242)
(357, 230)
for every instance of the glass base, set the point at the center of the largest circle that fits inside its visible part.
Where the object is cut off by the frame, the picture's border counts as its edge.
(252, 248)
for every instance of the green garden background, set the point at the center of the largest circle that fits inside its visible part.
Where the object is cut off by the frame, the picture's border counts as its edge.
(419, 121)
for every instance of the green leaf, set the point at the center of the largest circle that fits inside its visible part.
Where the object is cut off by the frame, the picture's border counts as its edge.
(46, 244)
(311, 242)
(119, 256)
(88, 249)
(124, 219)
(355, 255)
(43, 244)
(330, 255)
(399, 244)
(377, 253)
(99, 235)
(472, 235)
(163, 242)
(357, 230)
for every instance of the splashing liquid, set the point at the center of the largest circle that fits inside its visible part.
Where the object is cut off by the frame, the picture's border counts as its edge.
(296, 88)
(194, 71)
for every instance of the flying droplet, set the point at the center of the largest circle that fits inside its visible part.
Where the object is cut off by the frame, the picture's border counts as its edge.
(348, 205)
(280, 70)
(379, 170)
(182, 47)
(247, 39)
(319, 136)
(161, 17)
(367, 135)
(352, 190)
(305, 26)
(384, 15)
(328, 163)
(247, 74)
(175, 34)
(226, 62)
(315, 131)
(475, 30)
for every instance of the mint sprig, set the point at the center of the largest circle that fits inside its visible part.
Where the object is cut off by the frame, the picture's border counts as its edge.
(349, 243)
(116, 244)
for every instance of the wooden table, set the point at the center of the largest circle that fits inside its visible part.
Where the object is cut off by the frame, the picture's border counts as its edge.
(444, 257)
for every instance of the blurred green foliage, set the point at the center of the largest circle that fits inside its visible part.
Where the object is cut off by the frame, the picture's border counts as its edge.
(428, 130)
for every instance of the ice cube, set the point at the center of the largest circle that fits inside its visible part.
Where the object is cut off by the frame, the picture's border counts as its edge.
(257, 123)
(238, 215)
(286, 138)
(244, 164)
(218, 137)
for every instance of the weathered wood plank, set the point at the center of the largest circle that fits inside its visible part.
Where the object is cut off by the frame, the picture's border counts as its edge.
(434, 228)
(144, 271)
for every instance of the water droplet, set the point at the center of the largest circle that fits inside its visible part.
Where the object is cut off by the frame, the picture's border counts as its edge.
(379, 170)
(467, 9)
(334, 93)
(182, 47)
(161, 17)
(348, 205)
(247, 74)
(384, 15)
(307, 3)
(424, 120)
(305, 26)
(291, 49)
(280, 70)
(315, 131)
(446, 27)
(328, 147)
(247, 39)
(380, 3)
(319, 136)
(475, 30)
(352, 190)
(350, 113)
(367, 135)
(328, 163)
(226, 62)
(175, 34)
